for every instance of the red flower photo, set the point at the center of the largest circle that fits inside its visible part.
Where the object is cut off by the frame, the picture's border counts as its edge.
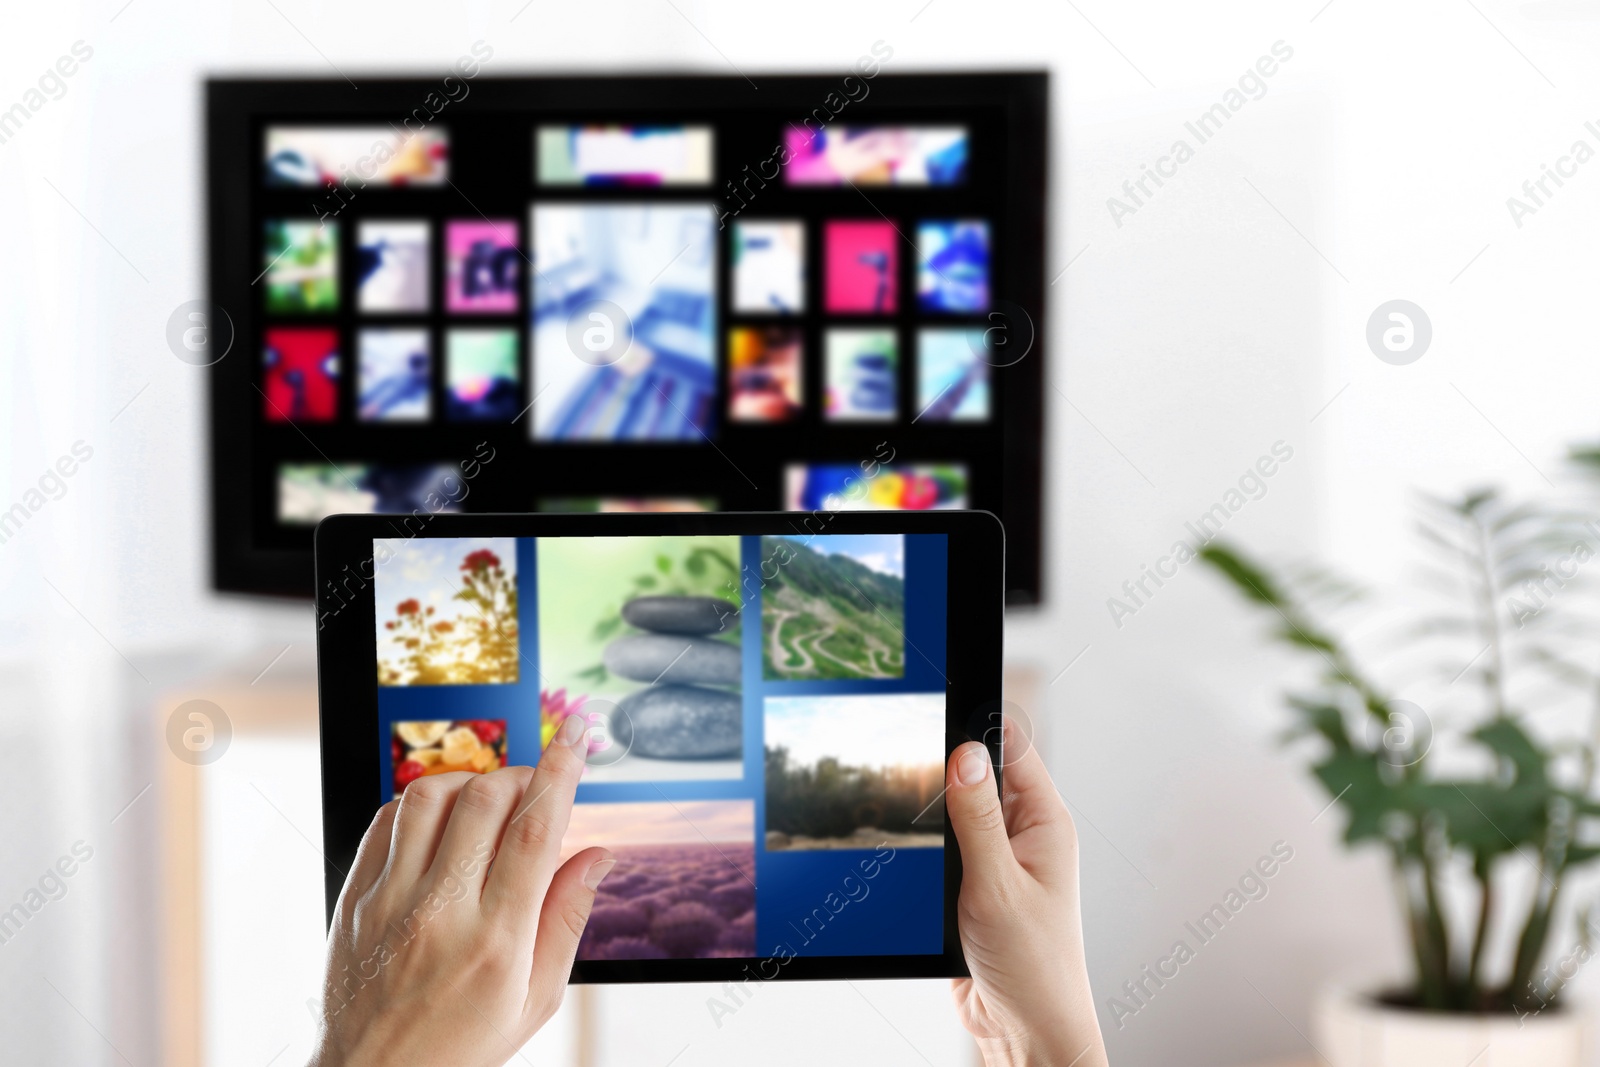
(454, 618)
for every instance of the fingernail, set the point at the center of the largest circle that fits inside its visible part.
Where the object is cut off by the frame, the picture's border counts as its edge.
(572, 728)
(973, 766)
(597, 872)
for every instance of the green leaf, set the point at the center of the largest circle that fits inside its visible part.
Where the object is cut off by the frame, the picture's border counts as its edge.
(1250, 579)
(1299, 635)
(1355, 780)
(695, 564)
(1324, 719)
(663, 564)
(1507, 739)
(1487, 819)
(1477, 501)
(597, 674)
(721, 557)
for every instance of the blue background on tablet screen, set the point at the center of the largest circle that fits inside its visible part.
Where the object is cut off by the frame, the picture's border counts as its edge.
(882, 898)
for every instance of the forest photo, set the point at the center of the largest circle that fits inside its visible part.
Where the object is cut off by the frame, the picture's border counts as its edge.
(855, 771)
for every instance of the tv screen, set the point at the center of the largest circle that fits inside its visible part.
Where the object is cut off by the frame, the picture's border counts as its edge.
(481, 293)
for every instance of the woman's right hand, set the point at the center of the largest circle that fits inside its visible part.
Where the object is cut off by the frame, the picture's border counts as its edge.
(1028, 1000)
(438, 955)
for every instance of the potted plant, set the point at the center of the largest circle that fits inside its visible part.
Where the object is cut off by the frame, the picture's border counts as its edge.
(1505, 578)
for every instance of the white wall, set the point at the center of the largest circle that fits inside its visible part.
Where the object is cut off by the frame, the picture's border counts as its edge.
(1216, 320)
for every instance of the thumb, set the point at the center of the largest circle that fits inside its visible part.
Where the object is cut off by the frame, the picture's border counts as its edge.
(562, 921)
(973, 803)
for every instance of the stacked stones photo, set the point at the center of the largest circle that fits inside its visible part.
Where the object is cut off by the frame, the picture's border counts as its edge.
(645, 632)
(687, 656)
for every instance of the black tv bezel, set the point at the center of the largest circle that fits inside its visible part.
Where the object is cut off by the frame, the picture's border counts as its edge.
(348, 690)
(235, 108)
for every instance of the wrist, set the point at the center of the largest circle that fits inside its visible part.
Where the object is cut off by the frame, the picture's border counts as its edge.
(1032, 1051)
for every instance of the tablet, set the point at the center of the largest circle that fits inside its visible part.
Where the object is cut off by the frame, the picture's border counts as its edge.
(772, 698)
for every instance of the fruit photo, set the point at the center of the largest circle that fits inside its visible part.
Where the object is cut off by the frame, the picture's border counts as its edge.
(441, 745)
(855, 771)
(684, 883)
(836, 608)
(645, 630)
(447, 611)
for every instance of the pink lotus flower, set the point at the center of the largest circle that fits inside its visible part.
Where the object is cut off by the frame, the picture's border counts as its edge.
(553, 711)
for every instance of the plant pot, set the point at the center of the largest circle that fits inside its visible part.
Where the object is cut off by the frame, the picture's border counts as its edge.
(1353, 1030)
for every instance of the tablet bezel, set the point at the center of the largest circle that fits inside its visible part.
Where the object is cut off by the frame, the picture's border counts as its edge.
(346, 681)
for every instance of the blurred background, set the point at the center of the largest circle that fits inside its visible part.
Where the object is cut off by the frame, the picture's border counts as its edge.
(1191, 332)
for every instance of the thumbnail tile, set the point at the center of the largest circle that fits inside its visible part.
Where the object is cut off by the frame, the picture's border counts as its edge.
(301, 265)
(952, 376)
(684, 884)
(439, 746)
(481, 375)
(392, 264)
(310, 492)
(769, 267)
(844, 487)
(354, 157)
(855, 772)
(643, 633)
(836, 608)
(624, 155)
(300, 375)
(624, 321)
(764, 373)
(862, 275)
(863, 375)
(446, 611)
(953, 266)
(395, 371)
(484, 274)
(876, 155)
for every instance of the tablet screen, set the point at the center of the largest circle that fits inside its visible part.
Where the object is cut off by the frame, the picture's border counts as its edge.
(766, 714)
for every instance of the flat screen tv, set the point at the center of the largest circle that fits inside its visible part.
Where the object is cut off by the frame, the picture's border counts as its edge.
(482, 293)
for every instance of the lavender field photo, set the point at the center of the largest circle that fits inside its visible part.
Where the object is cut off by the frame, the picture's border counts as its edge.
(684, 883)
